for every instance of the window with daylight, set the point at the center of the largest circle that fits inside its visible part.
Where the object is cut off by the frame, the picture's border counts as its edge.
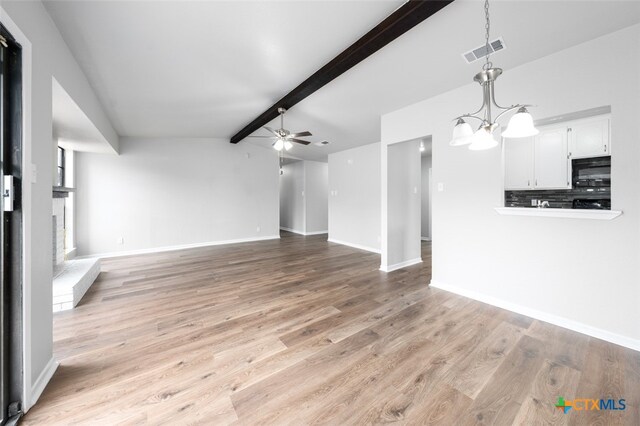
(61, 169)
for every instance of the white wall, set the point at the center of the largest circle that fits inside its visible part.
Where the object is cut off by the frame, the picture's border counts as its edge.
(354, 197)
(404, 199)
(292, 214)
(316, 196)
(172, 192)
(50, 57)
(425, 210)
(582, 272)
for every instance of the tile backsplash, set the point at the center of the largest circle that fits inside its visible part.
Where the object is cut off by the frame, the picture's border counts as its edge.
(557, 198)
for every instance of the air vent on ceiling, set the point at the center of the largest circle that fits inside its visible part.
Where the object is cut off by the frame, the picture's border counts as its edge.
(480, 52)
(323, 143)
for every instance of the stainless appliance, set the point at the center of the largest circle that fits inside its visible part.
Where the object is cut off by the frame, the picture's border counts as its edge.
(591, 172)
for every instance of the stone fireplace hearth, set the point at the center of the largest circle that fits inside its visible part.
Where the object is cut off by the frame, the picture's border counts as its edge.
(71, 278)
(58, 232)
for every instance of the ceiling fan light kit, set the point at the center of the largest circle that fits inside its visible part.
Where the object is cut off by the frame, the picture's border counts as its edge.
(283, 137)
(520, 125)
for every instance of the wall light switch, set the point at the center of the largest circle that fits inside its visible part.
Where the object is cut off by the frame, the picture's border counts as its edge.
(415, 189)
(440, 187)
(258, 229)
(349, 161)
(34, 173)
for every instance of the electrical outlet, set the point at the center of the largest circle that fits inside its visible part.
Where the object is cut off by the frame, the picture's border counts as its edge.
(120, 240)
(258, 229)
(415, 189)
(440, 187)
(534, 203)
(34, 173)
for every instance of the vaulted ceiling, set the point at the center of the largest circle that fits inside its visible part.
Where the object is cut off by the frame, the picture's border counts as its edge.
(205, 69)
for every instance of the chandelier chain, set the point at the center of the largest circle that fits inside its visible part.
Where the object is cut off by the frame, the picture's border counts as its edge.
(487, 27)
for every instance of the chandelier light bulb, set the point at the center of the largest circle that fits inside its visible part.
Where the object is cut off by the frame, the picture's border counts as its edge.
(287, 145)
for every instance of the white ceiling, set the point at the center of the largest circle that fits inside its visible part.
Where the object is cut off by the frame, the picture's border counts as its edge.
(205, 69)
(71, 127)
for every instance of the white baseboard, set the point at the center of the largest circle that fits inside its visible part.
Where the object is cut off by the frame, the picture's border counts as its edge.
(390, 268)
(425, 238)
(179, 247)
(357, 246)
(43, 380)
(316, 232)
(295, 231)
(542, 316)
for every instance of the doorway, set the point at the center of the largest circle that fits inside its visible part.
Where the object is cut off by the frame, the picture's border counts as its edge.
(407, 202)
(11, 366)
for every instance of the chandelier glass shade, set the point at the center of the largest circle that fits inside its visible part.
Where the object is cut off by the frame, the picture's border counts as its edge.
(462, 133)
(483, 139)
(520, 125)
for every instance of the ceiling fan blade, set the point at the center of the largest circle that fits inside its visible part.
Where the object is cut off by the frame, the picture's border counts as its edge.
(297, 135)
(271, 130)
(260, 136)
(300, 141)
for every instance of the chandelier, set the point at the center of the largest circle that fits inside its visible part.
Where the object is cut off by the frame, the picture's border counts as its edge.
(520, 125)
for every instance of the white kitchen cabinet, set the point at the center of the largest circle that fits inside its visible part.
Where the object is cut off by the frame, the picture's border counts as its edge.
(544, 161)
(589, 138)
(551, 159)
(518, 163)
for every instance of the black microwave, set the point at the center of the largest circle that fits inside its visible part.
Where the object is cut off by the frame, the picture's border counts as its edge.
(591, 172)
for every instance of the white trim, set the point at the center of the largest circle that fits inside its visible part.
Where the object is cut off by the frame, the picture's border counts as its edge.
(317, 232)
(71, 253)
(26, 202)
(295, 231)
(357, 246)
(542, 316)
(390, 268)
(425, 238)
(177, 247)
(282, 228)
(43, 380)
(562, 213)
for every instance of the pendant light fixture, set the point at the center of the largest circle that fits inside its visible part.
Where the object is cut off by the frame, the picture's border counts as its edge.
(520, 125)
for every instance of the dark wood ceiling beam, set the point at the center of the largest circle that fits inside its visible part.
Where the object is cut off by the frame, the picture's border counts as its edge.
(399, 22)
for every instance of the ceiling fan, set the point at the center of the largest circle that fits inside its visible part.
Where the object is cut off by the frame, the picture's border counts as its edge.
(282, 136)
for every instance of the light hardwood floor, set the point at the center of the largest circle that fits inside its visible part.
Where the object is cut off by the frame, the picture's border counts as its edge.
(298, 331)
